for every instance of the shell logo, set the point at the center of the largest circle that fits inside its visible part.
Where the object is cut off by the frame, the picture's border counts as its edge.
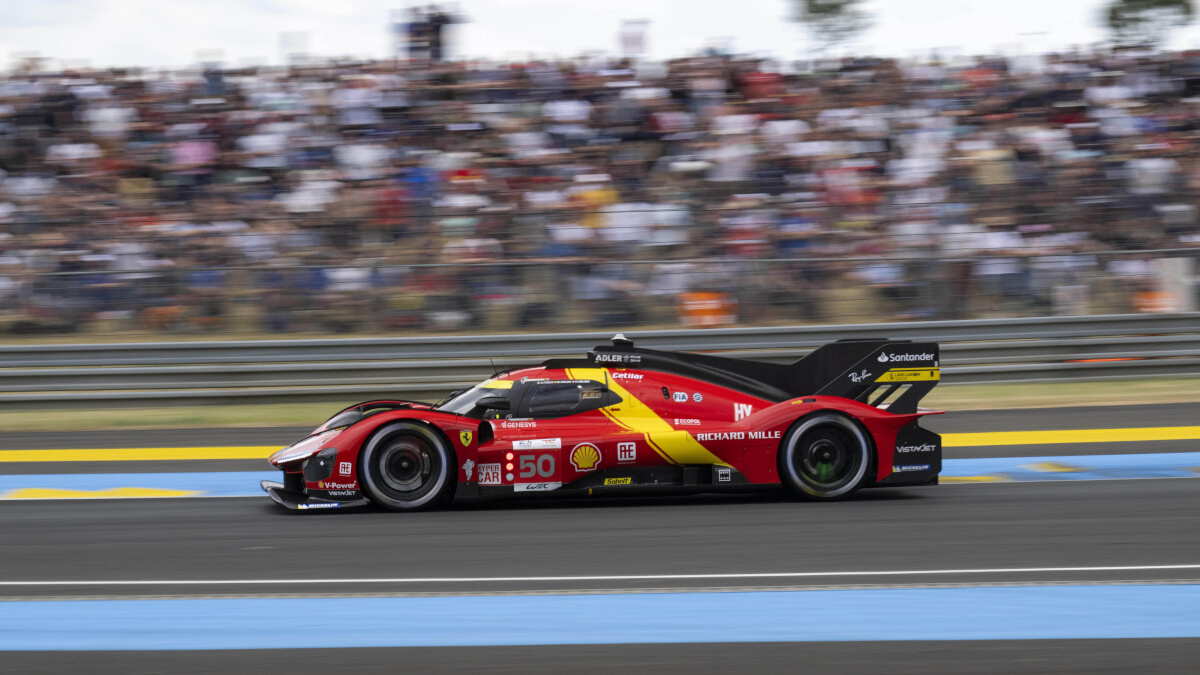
(585, 457)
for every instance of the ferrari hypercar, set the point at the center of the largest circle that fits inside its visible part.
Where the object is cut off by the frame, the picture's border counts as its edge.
(631, 421)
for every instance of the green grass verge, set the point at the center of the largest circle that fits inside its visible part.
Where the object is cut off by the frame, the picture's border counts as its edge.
(959, 397)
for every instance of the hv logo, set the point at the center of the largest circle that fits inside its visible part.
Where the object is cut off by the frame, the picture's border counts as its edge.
(741, 410)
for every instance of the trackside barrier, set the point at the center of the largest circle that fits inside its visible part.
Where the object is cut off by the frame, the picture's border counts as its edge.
(425, 368)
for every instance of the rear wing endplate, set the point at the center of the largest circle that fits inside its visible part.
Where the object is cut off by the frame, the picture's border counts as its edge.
(890, 374)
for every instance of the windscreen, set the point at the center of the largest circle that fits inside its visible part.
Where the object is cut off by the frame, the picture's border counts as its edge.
(464, 403)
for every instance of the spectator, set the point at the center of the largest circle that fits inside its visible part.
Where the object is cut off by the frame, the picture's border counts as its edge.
(588, 190)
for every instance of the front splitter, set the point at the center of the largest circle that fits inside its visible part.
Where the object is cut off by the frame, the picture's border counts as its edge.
(298, 501)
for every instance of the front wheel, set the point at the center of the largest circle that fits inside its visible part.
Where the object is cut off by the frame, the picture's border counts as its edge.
(824, 457)
(406, 467)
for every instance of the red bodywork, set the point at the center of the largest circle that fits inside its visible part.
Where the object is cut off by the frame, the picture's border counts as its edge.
(640, 421)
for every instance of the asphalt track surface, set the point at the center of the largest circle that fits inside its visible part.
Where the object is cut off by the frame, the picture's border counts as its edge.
(1021, 525)
(1000, 527)
(896, 658)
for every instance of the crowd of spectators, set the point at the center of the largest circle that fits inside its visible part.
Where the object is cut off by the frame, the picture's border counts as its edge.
(424, 194)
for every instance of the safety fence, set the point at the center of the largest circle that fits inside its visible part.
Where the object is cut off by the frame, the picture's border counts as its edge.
(564, 290)
(426, 368)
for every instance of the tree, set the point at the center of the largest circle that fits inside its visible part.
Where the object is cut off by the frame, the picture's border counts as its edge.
(1146, 22)
(831, 22)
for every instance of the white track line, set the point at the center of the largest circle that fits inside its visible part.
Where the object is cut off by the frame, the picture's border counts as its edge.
(625, 577)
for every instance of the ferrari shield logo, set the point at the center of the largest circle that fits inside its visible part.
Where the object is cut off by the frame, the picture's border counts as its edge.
(465, 437)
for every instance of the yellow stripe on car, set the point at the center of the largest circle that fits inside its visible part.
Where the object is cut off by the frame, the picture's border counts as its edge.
(631, 414)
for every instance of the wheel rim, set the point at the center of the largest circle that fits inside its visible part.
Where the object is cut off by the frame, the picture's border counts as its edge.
(826, 456)
(408, 467)
(825, 462)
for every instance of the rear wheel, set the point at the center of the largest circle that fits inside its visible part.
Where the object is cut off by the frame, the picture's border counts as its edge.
(406, 467)
(824, 457)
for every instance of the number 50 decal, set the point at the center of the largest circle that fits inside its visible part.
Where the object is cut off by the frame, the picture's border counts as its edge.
(542, 465)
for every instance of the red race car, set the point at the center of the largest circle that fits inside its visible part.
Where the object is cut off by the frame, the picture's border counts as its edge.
(626, 421)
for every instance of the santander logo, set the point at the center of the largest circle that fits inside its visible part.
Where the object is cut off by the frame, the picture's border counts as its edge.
(884, 358)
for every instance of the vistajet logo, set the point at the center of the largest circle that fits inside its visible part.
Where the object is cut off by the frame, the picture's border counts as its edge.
(924, 447)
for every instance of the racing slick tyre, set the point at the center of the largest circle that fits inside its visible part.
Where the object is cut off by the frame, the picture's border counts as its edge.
(824, 457)
(407, 467)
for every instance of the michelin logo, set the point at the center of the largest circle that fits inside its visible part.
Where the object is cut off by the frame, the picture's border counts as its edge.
(885, 358)
(911, 467)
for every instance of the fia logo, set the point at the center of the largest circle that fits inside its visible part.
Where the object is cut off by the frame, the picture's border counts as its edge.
(626, 452)
(741, 410)
(344, 468)
(679, 397)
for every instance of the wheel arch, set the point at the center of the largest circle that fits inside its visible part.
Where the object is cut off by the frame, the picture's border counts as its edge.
(870, 437)
(385, 425)
(865, 431)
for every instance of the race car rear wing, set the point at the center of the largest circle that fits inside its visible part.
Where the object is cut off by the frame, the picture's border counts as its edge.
(890, 374)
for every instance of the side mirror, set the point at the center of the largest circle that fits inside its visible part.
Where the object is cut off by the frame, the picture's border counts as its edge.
(494, 403)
